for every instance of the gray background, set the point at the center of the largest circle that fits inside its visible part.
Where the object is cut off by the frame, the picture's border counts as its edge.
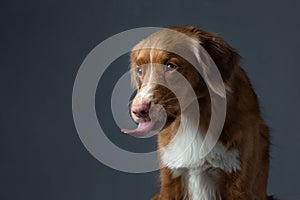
(42, 46)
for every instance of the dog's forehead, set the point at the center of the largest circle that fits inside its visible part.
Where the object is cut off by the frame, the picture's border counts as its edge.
(144, 56)
(166, 38)
(158, 46)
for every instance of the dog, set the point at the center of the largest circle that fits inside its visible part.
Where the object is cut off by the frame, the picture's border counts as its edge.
(236, 167)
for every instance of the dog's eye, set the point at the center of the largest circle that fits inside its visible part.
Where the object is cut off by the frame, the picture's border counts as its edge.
(139, 71)
(171, 67)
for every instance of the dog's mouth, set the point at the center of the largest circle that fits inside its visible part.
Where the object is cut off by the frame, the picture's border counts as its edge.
(155, 122)
(143, 128)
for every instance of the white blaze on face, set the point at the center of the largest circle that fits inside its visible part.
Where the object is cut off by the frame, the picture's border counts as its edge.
(145, 94)
(157, 115)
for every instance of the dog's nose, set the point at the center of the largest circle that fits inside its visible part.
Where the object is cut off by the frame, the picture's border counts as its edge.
(141, 110)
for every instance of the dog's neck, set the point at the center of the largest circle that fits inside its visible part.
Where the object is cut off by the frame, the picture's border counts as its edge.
(182, 155)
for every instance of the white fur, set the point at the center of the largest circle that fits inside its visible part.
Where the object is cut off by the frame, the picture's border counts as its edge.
(184, 158)
(144, 95)
(202, 185)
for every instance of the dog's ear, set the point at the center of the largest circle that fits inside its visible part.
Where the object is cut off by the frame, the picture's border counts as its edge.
(225, 57)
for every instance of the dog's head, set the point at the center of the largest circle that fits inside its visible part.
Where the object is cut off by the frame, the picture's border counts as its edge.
(166, 82)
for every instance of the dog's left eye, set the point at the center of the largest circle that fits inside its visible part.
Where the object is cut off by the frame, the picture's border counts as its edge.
(139, 71)
(171, 67)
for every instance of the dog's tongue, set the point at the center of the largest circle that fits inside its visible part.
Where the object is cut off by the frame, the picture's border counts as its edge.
(143, 129)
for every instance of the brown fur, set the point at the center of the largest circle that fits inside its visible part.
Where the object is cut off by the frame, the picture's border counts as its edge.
(244, 128)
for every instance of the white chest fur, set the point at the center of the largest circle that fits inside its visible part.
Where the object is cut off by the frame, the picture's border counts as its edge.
(183, 157)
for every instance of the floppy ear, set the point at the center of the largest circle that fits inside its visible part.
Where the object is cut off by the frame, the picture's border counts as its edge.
(225, 57)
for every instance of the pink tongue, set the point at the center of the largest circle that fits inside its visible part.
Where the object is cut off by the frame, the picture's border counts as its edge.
(143, 129)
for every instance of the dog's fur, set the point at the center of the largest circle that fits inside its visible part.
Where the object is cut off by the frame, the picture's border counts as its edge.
(238, 165)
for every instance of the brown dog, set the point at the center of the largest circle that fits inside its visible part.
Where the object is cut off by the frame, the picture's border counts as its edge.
(238, 164)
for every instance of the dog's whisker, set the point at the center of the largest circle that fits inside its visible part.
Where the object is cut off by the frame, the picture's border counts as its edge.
(130, 102)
